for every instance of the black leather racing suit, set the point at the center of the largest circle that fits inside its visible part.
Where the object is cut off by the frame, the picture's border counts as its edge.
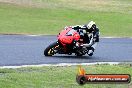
(89, 41)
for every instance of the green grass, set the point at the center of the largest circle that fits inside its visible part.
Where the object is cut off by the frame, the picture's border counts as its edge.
(58, 77)
(114, 17)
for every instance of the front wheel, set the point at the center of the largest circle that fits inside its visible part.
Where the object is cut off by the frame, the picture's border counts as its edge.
(50, 50)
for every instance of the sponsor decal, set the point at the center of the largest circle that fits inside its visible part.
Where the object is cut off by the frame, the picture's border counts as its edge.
(83, 78)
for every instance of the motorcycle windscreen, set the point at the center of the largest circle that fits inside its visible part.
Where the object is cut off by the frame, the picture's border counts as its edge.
(67, 36)
(66, 39)
(73, 33)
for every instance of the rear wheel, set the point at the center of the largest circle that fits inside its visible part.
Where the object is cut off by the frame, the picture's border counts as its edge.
(50, 50)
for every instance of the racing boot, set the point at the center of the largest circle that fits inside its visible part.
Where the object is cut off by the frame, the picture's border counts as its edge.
(91, 50)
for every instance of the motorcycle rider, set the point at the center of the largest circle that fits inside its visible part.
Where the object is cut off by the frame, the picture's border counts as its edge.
(89, 34)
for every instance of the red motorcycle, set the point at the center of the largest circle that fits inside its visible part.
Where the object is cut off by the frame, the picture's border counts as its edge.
(66, 44)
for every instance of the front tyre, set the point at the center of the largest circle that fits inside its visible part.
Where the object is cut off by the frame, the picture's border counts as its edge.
(50, 50)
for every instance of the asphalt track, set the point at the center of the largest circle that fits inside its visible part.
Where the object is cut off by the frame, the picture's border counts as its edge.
(28, 50)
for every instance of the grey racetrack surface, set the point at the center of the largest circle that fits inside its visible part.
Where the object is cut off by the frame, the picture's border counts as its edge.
(28, 50)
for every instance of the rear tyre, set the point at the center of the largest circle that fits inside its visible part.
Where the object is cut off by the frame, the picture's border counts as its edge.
(49, 51)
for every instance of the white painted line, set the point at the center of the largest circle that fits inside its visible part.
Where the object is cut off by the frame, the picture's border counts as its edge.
(111, 37)
(33, 35)
(55, 35)
(61, 64)
(115, 37)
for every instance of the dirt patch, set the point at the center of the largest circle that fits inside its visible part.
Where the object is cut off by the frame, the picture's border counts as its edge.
(85, 5)
(30, 3)
(130, 86)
